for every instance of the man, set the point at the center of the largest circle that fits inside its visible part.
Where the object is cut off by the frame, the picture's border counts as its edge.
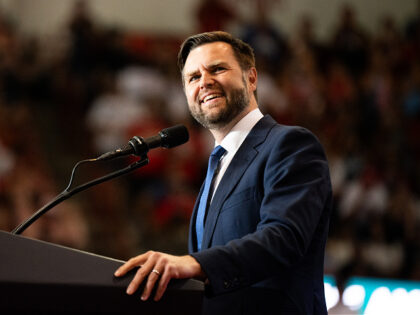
(265, 229)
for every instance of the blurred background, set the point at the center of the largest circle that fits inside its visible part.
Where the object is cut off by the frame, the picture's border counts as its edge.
(79, 78)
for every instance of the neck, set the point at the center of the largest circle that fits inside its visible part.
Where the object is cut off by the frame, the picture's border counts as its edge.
(220, 133)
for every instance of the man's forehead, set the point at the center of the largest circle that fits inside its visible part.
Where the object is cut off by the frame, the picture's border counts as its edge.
(209, 54)
(213, 45)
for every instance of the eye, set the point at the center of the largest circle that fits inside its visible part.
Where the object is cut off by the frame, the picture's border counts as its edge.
(193, 78)
(219, 69)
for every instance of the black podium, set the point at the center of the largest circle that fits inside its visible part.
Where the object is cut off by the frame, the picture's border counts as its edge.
(37, 277)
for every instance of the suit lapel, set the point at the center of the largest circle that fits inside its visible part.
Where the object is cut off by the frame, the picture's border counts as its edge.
(192, 233)
(239, 164)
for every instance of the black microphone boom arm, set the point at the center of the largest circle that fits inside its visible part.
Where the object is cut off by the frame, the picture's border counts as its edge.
(167, 138)
(65, 194)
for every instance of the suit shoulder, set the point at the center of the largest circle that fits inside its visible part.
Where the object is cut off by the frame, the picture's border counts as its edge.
(280, 131)
(269, 134)
(268, 122)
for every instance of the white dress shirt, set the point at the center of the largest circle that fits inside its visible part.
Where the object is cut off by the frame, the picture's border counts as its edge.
(233, 140)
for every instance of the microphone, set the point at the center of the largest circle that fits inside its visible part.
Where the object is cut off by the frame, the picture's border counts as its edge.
(166, 138)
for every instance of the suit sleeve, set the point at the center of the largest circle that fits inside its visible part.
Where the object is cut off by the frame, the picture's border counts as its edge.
(295, 189)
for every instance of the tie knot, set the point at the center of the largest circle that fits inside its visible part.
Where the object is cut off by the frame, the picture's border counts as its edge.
(218, 152)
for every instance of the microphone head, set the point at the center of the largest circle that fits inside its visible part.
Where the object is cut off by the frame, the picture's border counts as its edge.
(174, 136)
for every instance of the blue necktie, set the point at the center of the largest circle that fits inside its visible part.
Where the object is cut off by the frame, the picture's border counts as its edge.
(204, 200)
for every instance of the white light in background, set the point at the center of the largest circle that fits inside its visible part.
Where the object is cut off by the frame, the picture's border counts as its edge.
(378, 302)
(331, 295)
(414, 300)
(354, 296)
(399, 301)
(382, 300)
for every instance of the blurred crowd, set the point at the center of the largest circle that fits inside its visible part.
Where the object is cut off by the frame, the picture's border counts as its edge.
(93, 87)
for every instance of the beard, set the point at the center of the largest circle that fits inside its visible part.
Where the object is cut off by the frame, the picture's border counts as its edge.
(236, 102)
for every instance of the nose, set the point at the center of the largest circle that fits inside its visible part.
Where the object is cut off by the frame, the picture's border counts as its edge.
(206, 80)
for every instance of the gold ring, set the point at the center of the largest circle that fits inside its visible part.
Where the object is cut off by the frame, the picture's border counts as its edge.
(156, 272)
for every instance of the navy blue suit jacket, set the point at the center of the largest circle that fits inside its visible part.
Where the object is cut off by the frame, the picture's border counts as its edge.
(266, 228)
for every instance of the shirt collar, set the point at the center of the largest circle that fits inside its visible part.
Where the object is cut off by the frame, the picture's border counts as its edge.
(233, 140)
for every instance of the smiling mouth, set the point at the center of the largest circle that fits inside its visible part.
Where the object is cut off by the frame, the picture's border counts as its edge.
(210, 98)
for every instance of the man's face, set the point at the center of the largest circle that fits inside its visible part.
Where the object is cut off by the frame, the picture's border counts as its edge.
(216, 88)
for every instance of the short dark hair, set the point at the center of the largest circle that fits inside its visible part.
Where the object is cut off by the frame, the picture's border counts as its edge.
(243, 52)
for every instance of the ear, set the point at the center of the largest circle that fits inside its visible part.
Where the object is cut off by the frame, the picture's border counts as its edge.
(252, 79)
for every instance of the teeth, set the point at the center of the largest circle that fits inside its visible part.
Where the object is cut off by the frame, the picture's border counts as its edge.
(210, 97)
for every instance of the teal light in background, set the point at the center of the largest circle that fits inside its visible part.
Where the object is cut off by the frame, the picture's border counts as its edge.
(376, 296)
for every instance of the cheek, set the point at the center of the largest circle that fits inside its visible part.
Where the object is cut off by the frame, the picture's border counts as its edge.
(191, 95)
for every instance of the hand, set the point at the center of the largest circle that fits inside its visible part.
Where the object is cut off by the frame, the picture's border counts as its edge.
(155, 265)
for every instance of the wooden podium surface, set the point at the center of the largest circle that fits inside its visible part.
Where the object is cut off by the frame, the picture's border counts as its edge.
(44, 278)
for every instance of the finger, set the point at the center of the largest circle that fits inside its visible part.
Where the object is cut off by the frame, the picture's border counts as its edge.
(122, 270)
(163, 284)
(149, 260)
(163, 279)
(130, 264)
(136, 281)
(154, 276)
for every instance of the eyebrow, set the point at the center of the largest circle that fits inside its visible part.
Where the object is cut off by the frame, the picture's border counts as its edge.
(212, 65)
